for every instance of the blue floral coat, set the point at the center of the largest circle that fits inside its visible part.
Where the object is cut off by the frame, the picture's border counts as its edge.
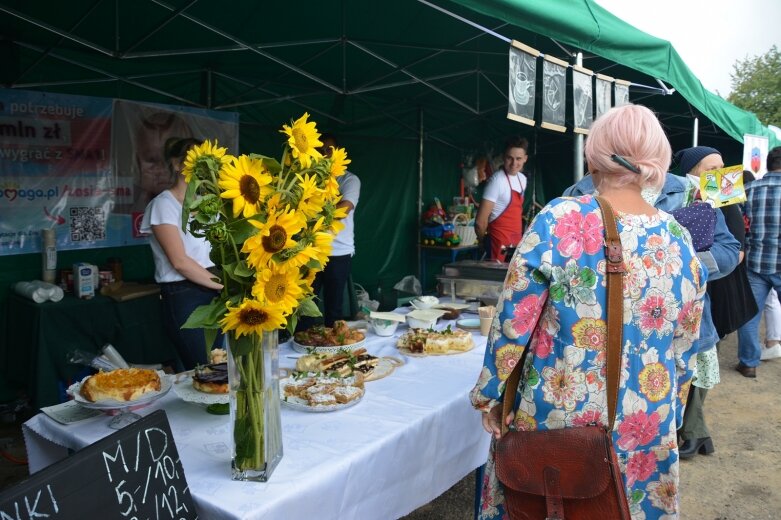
(553, 300)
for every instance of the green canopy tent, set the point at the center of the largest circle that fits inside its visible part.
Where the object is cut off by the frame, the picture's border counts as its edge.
(411, 87)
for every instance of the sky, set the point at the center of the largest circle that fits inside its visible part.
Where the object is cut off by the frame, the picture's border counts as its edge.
(710, 35)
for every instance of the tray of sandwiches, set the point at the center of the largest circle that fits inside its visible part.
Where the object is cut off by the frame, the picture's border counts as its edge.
(345, 363)
(430, 342)
(317, 392)
(321, 339)
(121, 389)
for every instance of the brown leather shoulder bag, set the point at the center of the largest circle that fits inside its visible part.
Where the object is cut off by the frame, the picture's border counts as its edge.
(570, 473)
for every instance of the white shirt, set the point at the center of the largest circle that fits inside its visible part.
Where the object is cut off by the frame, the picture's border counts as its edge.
(344, 242)
(165, 209)
(497, 190)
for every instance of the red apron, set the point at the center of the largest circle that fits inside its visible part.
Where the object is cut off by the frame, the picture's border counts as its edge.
(507, 228)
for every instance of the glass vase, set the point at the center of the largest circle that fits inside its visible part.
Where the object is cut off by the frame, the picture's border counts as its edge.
(256, 429)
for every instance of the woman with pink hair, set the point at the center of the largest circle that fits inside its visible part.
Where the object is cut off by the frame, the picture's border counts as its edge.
(554, 304)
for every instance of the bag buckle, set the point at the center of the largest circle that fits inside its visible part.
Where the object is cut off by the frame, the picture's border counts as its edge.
(615, 256)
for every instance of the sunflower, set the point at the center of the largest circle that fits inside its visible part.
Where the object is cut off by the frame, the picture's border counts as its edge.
(275, 235)
(279, 287)
(303, 140)
(252, 317)
(311, 202)
(199, 157)
(339, 162)
(305, 255)
(246, 181)
(331, 189)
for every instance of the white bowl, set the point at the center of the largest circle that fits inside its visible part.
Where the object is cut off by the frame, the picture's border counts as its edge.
(416, 323)
(424, 302)
(383, 327)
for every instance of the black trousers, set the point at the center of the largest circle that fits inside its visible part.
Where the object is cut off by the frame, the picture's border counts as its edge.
(332, 281)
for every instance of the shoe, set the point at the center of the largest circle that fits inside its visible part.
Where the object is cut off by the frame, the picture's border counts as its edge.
(746, 371)
(771, 352)
(691, 447)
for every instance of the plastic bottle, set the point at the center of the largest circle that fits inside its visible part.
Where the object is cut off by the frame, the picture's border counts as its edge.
(49, 255)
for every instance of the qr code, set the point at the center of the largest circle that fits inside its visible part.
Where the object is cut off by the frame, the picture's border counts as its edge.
(87, 224)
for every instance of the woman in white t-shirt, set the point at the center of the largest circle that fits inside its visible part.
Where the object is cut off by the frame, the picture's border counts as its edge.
(181, 261)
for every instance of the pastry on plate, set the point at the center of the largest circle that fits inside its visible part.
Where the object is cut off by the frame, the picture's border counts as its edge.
(338, 335)
(316, 390)
(421, 341)
(211, 379)
(343, 363)
(122, 384)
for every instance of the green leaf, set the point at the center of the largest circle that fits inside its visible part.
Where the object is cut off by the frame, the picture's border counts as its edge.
(242, 345)
(314, 264)
(242, 230)
(210, 335)
(292, 321)
(309, 308)
(189, 199)
(271, 164)
(206, 316)
(557, 292)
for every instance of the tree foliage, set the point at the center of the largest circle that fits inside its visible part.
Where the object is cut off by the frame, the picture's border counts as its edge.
(756, 86)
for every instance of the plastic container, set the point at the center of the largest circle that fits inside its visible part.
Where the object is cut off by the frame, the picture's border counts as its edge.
(49, 255)
(115, 264)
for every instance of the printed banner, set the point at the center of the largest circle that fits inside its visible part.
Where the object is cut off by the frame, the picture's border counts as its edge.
(522, 83)
(86, 168)
(724, 186)
(139, 134)
(54, 169)
(582, 99)
(604, 93)
(554, 93)
(755, 150)
(621, 92)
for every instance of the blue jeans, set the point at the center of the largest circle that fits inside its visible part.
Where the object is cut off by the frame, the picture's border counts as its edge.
(179, 300)
(749, 349)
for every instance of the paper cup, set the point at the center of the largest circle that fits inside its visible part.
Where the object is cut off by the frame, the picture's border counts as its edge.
(485, 325)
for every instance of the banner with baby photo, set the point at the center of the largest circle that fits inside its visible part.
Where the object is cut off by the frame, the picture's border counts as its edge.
(604, 93)
(522, 83)
(582, 99)
(139, 133)
(554, 93)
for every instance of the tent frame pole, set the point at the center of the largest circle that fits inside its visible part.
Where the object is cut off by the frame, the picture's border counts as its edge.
(578, 149)
(420, 191)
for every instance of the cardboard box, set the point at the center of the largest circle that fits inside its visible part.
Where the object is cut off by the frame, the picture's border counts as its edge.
(84, 276)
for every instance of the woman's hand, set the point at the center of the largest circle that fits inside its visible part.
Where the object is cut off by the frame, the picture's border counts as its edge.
(492, 421)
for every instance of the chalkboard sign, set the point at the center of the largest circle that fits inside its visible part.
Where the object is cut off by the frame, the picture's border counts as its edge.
(134, 473)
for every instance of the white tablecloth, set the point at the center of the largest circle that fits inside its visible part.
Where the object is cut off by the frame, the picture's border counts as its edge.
(412, 437)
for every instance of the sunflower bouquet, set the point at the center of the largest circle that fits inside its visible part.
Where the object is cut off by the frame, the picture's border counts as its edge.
(270, 224)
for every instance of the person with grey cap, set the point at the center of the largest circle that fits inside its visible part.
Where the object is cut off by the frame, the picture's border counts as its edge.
(694, 432)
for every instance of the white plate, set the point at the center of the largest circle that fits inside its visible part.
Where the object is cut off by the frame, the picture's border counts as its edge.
(186, 392)
(469, 323)
(384, 367)
(409, 353)
(297, 403)
(304, 349)
(166, 382)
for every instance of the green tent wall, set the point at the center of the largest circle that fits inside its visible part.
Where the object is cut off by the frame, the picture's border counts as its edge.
(385, 77)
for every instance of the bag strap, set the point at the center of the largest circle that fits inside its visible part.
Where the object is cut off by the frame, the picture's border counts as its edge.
(614, 270)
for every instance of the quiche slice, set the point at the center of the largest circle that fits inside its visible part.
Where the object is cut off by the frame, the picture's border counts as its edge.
(122, 384)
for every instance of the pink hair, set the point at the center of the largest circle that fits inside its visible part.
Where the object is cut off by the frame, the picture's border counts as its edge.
(633, 132)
